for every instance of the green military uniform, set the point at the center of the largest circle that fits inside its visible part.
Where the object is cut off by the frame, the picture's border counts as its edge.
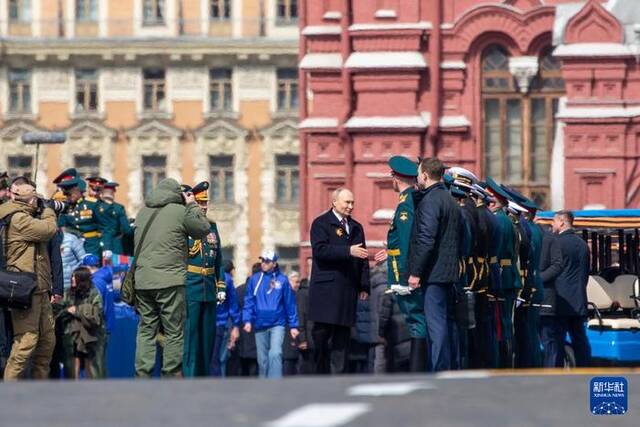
(82, 219)
(114, 224)
(398, 237)
(205, 279)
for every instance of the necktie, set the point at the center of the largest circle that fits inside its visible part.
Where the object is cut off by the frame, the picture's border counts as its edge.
(344, 225)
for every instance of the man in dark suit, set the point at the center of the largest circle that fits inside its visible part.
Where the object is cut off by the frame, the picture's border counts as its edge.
(550, 268)
(433, 258)
(339, 275)
(571, 289)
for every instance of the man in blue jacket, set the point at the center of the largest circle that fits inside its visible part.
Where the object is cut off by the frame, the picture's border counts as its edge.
(269, 306)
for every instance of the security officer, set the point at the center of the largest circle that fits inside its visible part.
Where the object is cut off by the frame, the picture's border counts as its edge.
(404, 173)
(82, 217)
(205, 286)
(112, 218)
(509, 275)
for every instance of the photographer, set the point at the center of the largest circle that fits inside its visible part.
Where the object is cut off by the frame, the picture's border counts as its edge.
(26, 251)
(161, 271)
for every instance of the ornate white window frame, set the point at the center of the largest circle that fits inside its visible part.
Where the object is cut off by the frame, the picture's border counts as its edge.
(223, 137)
(168, 29)
(150, 138)
(280, 225)
(11, 145)
(88, 137)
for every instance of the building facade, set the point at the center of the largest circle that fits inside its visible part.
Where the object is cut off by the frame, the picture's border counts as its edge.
(147, 89)
(541, 95)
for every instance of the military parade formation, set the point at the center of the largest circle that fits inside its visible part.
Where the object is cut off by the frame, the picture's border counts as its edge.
(499, 293)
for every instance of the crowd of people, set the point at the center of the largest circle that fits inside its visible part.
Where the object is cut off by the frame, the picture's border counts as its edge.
(467, 279)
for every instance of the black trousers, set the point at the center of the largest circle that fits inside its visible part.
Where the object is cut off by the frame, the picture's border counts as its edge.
(331, 346)
(575, 327)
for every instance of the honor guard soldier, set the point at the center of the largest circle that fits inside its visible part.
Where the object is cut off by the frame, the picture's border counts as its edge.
(113, 220)
(509, 275)
(205, 287)
(411, 303)
(81, 218)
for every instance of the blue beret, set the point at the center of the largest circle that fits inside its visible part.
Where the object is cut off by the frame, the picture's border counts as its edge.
(403, 166)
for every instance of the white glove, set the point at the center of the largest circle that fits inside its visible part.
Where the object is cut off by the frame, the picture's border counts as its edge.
(221, 297)
(401, 290)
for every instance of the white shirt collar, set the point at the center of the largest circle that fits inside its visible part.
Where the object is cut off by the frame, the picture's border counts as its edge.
(340, 217)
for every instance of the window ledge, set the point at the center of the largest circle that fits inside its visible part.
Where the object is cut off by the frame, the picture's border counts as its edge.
(222, 114)
(20, 116)
(160, 115)
(90, 115)
(153, 23)
(286, 22)
(293, 114)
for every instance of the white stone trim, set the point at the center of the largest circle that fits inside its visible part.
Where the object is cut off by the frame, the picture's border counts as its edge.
(4, 89)
(321, 30)
(332, 15)
(103, 18)
(36, 16)
(53, 84)
(11, 145)
(204, 14)
(318, 123)
(454, 121)
(412, 122)
(221, 138)
(592, 50)
(523, 69)
(170, 27)
(366, 60)
(278, 31)
(89, 138)
(384, 214)
(152, 138)
(280, 225)
(597, 112)
(252, 83)
(386, 13)
(453, 65)
(422, 25)
(70, 18)
(4, 18)
(558, 162)
(321, 61)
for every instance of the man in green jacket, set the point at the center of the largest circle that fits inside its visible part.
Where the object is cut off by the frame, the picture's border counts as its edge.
(161, 272)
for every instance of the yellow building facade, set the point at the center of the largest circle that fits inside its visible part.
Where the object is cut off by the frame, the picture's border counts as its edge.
(146, 89)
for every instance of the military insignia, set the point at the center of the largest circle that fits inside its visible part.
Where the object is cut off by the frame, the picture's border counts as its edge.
(211, 239)
(404, 216)
(339, 232)
(101, 210)
(403, 198)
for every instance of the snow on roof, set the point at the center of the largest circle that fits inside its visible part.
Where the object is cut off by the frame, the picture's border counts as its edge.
(396, 122)
(594, 50)
(321, 61)
(386, 60)
(454, 122)
(597, 112)
(318, 123)
(318, 30)
(422, 25)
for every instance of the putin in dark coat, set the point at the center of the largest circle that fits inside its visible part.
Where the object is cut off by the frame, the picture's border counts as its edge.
(339, 275)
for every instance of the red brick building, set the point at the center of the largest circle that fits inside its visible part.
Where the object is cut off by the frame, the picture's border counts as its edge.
(541, 95)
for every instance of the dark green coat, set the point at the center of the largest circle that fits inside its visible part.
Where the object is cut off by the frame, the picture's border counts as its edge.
(398, 239)
(82, 219)
(205, 254)
(114, 225)
(507, 255)
(534, 264)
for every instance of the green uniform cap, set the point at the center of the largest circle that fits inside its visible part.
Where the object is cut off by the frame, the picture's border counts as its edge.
(402, 166)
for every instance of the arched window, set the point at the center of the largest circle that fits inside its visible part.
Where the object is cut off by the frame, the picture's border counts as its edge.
(519, 128)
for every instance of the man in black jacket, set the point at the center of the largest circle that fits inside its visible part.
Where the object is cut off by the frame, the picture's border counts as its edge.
(433, 258)
(339, 275)
(550, 268)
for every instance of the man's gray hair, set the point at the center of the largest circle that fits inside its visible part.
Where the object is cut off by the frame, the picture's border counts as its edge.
(293, 273)
(336, 193)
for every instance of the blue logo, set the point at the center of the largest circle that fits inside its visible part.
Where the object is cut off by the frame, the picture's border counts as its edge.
(609, 395)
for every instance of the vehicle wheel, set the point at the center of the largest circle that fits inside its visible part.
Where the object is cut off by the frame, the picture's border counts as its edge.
(569, 357)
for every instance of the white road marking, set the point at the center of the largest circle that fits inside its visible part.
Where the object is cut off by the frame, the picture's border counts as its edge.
(388, 389)
(321, 415)
(462, 375)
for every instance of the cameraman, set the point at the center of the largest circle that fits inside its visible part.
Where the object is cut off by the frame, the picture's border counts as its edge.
(161, 271)
(26, 250)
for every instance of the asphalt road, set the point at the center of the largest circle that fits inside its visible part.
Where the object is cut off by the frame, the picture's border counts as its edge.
(456, 399)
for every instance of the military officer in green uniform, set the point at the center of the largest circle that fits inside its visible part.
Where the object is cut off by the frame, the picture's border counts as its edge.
(205, 287)
(411, 303)
(81, 218)
(112, 218)
(510, 276)
(95, 184)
